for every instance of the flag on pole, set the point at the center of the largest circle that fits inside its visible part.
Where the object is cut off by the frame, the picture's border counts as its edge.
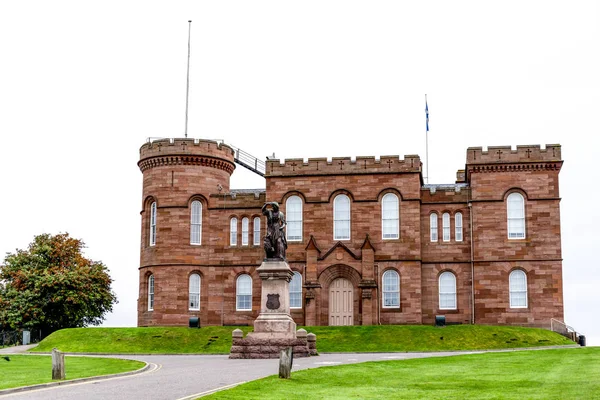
(426, 114)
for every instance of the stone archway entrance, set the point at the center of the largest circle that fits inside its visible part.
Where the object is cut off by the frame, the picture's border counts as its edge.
(341, 302)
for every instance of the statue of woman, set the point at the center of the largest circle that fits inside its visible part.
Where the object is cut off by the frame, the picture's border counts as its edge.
(275, 243)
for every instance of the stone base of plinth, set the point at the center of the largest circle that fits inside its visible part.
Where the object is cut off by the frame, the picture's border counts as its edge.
(274, 326)
(262, 347)
(267, 348)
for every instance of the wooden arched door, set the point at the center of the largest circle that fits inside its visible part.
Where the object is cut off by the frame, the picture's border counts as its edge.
(341, 302)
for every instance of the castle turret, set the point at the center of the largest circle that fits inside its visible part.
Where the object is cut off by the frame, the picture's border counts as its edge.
(179, 177)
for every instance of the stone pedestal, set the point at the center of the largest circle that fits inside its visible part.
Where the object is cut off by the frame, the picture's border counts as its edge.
(274, 320)
(274, 329)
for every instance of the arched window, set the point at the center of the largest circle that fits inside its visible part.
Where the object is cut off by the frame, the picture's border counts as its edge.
(433, 227)
(196, 223)
(458, 227)
(233, 232)
(245, 233)
(518, 289)
(341, 217)
(390, 226)
(391, 289)
(447, 290)
(296, 291)
(256, 232)
(243, 293)
(151, 293)
(293, 209)
(194, 292)
(515, 205)
(153, 224)
(446, 227)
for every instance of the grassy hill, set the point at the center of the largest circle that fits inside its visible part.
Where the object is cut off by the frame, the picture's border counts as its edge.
(545, 374)
(217, 339)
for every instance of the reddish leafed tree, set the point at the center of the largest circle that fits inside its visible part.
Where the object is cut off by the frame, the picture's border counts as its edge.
(51, 286)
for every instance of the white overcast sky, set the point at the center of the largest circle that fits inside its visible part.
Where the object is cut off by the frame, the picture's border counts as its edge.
(84, 84)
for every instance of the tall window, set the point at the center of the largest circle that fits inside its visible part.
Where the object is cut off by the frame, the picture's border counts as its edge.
(446, 227)
(296, 291)
(341, 217)
(458, 227)
(151, 293)
(233, 232)
(153, 224)
(196, 223)
(516, 216)
(245, 233)
(194, 292)
(293, 208)
(243, 293)
(390, 217)
(391, 289)
(447, 289)
(433, 229)
(256, 233)
(518, 289)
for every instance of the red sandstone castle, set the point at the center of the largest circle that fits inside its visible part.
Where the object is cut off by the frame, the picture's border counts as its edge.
(368, 241)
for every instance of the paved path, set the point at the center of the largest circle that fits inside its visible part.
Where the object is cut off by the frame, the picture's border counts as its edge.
(189, 376)
(16, 349)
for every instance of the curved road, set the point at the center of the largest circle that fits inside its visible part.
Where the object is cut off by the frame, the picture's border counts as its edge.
(178, 377)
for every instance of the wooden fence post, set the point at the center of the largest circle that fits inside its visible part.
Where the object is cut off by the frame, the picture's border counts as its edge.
(286, 359)
(58, 364)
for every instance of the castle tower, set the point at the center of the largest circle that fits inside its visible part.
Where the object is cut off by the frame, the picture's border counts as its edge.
(179, 175)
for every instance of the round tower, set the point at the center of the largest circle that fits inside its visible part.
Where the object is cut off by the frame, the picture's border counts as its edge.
(179, 175)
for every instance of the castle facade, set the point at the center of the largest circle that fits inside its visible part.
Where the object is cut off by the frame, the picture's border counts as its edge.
(368, 241)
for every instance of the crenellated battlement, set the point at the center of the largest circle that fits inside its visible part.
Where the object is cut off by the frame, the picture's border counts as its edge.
(186, 152)
(505, 154)
(178, 146)
(343, 165)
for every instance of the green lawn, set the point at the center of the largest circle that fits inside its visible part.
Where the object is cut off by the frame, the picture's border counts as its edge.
(23, 370)
(393, 338)
(161, 340)
(541, 374)
(217, 339)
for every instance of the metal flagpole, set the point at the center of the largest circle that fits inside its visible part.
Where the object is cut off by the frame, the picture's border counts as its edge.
(426, 141)
(187, 88)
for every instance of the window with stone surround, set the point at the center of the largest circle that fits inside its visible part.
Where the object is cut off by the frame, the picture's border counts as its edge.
(151, 293)
(243, 290)
(153, 224)
(458, 227)
(296, 291)
(233, 232)
(433, 227)
(194, 292)
(341, 217)
(446, 227)
(293, 210)
(390, 226)
(245, 231)
(517, 282)
(256, 232)
(515, 207)
(447, 291)
(391, 289)
(196, 223)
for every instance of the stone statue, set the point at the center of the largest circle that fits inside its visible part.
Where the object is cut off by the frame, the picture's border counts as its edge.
(275, 243)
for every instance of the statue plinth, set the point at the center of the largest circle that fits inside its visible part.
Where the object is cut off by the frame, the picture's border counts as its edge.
(274, 329)
(274, 320)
